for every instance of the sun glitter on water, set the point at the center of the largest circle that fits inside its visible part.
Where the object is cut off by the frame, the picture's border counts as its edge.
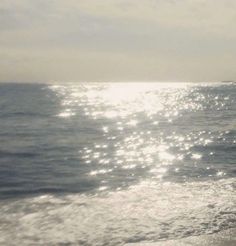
(139, 127)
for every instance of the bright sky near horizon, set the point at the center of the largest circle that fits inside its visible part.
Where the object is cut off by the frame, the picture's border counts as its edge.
(117, 40)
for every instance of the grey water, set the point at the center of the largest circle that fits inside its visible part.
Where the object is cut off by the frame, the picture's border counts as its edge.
(116, 163)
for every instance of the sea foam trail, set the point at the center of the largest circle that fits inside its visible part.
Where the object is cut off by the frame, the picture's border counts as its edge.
(223, 238)
(146, 212)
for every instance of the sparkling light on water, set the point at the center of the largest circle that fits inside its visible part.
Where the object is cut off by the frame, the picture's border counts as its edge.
(139, 162)
(140, 128)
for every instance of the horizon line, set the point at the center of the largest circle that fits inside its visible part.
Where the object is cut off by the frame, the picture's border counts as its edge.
(115, 81)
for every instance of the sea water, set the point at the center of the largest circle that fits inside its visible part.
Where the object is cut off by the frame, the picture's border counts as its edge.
(115, 163)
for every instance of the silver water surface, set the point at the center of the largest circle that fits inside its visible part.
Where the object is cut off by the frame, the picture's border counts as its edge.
(112, 163)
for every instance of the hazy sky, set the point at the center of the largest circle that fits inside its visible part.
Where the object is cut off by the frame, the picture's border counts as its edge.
(117, 40)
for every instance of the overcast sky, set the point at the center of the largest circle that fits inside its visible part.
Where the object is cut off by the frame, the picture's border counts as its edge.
(117, 40)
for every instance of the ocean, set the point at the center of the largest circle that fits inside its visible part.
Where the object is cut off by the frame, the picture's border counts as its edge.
(116, 163)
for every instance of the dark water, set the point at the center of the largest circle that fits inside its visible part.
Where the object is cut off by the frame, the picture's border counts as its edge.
(165, 154)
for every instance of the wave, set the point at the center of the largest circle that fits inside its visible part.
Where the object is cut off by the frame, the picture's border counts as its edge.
(149, 211)
(4, 154)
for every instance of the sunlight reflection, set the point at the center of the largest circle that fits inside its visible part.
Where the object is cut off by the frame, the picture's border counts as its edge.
(196, 156)
(118, 95)
(136, 125)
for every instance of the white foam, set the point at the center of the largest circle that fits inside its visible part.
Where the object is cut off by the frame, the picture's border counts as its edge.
(148, 211)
